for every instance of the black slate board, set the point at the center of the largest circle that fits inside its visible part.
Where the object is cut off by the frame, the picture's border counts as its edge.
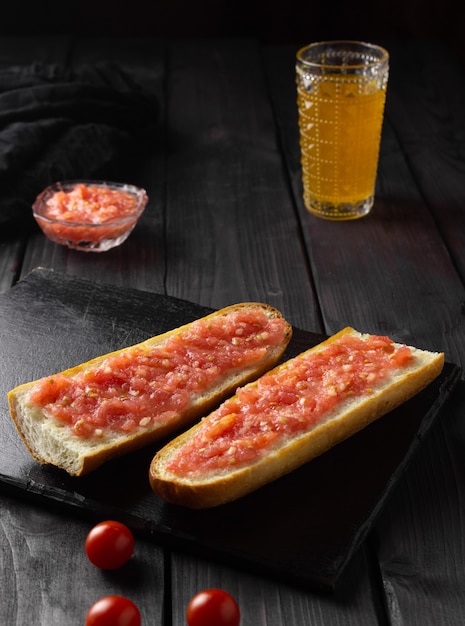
(303, 528)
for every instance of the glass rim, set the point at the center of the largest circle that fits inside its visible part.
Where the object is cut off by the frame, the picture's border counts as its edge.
(383, 53)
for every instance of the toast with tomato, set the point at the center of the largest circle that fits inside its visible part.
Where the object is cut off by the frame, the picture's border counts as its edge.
(289, 416)
(79, 418)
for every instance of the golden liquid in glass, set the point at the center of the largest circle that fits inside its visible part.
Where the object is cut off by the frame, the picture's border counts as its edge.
(340, 129)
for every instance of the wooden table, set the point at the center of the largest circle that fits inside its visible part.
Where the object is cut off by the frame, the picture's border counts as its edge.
(226, 223)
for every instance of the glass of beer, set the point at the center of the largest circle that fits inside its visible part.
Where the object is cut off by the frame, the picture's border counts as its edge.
(341, 90)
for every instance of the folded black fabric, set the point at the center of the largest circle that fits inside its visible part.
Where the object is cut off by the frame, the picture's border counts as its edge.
(58, 124)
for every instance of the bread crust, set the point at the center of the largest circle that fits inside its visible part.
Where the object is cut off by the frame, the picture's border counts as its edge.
(353, 417)
(50, 443)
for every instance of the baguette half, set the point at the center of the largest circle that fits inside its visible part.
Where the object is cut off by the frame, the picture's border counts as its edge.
(223, 457)
(79, 444)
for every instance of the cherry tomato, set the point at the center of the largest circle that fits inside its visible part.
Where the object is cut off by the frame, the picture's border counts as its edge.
(213, 607)
(109, 545)
(113, 611)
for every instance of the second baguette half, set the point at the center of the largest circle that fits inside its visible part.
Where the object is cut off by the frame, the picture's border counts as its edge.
(289, 416)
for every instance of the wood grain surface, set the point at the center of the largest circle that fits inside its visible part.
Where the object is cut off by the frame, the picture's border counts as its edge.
(225, 223)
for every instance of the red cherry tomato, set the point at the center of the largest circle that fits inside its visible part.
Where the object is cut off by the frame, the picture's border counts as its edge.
(213, 607)
(113, 611)
(109, 545)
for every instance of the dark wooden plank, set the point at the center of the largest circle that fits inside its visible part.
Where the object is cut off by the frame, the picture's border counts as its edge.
(11, 253)
(429, 121)
(231, 228)
(392, 273)
(209, 213)
(227, 187)
(420, 536)
(360, 280)
(264, 603)
(428, 92)
(427, 117)
(47, 579)
(223, 139)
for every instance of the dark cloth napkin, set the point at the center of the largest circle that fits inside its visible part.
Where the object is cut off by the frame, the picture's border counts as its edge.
(58, 124)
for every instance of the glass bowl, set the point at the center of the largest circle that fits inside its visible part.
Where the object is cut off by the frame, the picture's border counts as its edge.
(88, 215)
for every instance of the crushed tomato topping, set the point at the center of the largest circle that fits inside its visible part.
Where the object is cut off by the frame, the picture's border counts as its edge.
(290, 401)
(91, 204)
(144, 384)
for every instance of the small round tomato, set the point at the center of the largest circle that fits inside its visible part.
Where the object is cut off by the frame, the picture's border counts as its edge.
(113, 611)
(213, 607)
(109, 545)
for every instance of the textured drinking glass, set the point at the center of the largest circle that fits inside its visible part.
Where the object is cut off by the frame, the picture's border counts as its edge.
(341, 91)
